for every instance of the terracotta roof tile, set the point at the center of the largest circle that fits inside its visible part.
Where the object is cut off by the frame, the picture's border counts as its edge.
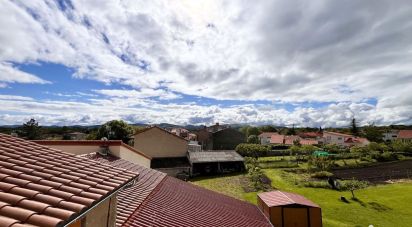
(45, 187)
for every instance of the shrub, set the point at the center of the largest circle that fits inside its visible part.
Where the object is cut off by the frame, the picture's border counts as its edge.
(316, 184)
(322, 163)
(321, 174)
(352, 185)
(385, 156)
(252, 150)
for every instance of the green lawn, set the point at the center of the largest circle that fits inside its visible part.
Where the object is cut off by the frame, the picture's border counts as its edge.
(383, 205)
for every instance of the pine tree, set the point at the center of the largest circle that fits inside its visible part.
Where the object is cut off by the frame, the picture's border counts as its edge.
(354, 127)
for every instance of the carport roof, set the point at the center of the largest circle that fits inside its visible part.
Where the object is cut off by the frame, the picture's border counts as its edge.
(214, 156)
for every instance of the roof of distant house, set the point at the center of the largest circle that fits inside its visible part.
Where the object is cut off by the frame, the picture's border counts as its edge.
(277, 139)
(310, 134)
(214, 156)
(337, 134)
(162, 200)
(405, 134)
(290, 139)
(91, 143)
(42, 186)
(267, 134)
(280, 198)
(152, 127)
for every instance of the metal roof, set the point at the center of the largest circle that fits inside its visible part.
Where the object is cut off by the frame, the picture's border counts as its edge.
(280, 198)
(214, 156)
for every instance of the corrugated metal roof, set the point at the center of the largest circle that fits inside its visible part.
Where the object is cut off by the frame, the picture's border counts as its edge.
(280, 198)
(214, 156)
(177, 203)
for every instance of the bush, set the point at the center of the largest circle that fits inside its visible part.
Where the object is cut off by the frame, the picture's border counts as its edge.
(316, 184)
(385, 156)
(321, 174)
(321, 163)
(255, 174)
(252, 150)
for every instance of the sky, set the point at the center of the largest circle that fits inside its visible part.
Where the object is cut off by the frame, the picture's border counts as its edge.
(304, 63)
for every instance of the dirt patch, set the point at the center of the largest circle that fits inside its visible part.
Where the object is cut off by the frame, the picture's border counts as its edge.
(379, 173)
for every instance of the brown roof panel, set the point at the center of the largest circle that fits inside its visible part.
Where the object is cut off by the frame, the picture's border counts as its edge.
(280, 198)
(45, 187)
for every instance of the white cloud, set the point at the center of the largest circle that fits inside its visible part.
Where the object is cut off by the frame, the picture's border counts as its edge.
(9, 74)
(345, 52)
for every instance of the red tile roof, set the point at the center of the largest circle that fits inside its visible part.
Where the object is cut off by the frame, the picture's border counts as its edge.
(280, 198)
(290, 139)
(405, 134)
(178, 203)
(277, 139)
(267, 134)
(90, 143)
(337, 134)
(45, 187)
(131, 198)
(160, 200)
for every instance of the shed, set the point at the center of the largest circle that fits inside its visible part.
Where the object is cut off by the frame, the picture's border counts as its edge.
(286, 209)
(215, 161)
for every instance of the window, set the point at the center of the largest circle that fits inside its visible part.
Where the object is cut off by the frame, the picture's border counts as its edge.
(339, 138)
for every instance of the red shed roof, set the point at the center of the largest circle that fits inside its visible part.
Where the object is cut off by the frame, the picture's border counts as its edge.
(45, 187)
(280, 198)
(405, 134)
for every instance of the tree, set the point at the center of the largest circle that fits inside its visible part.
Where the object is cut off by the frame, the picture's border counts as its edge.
(115, 130)
(253, 139)
(253, 131)
(252, 150)
(353, 185)
(354, 127)
(31, 130)
(372, 133)
(268, 128)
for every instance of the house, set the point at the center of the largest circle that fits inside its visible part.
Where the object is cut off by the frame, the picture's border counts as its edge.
(405, 136)
(114, 147)
(41, 186)
(289, 209)
(223, 139)
(291, 140)
(265, 137)
(277, 139)
(310, 135)
(160, 143)
(343, 139)
(180, 132)
(390, 135)
(215, 162)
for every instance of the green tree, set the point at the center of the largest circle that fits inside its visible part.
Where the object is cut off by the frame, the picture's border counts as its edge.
(352, 185)
(354, 128)
(308, 149)
(115, 130)
(31, 130)
(252, 150)
(253, 131)
(253, 139)
(372, 133)
(268, 128)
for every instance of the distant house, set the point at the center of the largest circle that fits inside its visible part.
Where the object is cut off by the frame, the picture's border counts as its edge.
(291, 140)
(160, 143)
(390, 135)
(225, 138)
(343, 139)
(180, 132)
(264, 137)
(405, 135)
(310, 135)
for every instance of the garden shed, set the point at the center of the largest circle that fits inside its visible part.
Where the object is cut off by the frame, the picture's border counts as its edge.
(285, 209)
(210, 162)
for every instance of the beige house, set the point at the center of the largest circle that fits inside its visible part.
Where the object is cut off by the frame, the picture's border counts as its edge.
(114, 147)
(343, 139)
(160, 143)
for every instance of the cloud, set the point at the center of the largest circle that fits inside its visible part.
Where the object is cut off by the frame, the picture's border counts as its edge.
(339, 52)
(9, 74)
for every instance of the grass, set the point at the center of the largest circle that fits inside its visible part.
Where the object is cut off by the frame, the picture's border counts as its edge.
(382, 205)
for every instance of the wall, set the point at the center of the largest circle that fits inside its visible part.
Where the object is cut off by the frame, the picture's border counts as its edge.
(128, 155)
(76, 149)
(157, 143)
(104, 215)
(227, 139)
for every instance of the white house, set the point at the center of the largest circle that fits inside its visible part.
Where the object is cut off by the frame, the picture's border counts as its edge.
(343, 139)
